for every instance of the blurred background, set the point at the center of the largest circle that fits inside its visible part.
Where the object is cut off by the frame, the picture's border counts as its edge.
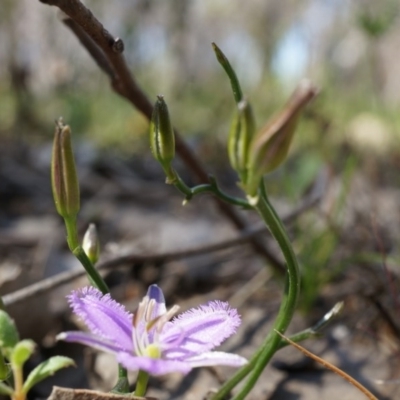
(346, 47)
(347, 149)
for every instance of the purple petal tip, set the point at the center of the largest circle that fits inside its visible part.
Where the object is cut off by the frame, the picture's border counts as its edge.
(154, 292)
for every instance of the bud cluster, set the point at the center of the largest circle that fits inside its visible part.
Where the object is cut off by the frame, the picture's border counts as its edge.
(254, 155)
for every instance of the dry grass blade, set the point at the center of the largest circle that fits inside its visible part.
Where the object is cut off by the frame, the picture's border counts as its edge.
(330, 366)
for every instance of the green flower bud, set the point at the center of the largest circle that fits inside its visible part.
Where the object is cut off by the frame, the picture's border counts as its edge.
(270, 145)
(8, 332)
(64, 179)
(91, 244)
(162, 138)
(240, 136)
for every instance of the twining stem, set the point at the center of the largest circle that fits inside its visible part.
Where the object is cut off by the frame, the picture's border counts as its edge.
(141, 383)
(289, 301)
(273, 341)
(174, 179)
(244, 371)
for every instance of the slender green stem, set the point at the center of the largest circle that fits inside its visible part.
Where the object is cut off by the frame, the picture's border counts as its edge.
(79, 253)
(290, 297)
(273, 341)
(72, 234)
(210, 188)
(314, 331)
(299, 337)
(96, 280)
(174, 179)
(244, 371)
(141, 383)
(92, 272)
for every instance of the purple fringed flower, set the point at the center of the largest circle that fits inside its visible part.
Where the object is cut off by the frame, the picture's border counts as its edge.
(150, 340)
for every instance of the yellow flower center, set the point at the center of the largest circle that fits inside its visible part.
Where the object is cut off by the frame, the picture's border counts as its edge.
(146, 342)
(152, 351)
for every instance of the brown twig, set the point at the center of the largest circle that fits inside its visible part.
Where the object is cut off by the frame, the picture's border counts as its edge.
(68, 276)
(82, 23)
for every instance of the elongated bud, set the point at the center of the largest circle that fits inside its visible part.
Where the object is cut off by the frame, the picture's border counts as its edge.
(91, 244)
(162, 138)
(64, 180)
(271, 144)
(240, 136)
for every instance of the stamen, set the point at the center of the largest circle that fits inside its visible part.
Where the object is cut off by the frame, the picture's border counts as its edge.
(151, 324)
(166, 317)
(136, 344)
(138, 316)
(145, 340)
(172, 311)
(149, 310)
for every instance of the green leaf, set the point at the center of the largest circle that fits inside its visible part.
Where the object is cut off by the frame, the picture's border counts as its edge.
(45, 369)
(8, 332)
(5, 389)
(21, 352)
(4, 368)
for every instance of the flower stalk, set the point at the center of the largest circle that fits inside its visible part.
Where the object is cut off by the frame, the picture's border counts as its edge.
(141, 383)
(272, 342)
(290, 297)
